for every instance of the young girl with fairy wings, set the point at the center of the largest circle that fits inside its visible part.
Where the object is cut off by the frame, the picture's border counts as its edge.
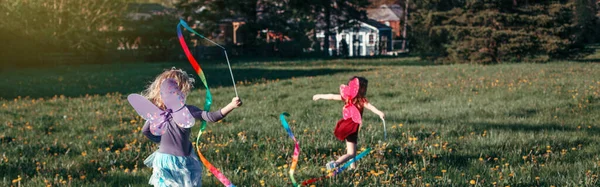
(169, 122)
(347, 128)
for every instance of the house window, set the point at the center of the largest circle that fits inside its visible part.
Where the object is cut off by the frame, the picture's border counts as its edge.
(371, 39)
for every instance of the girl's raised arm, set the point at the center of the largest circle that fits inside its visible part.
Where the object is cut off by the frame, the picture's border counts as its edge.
(374, 110)
(235, 103)
(327, 97)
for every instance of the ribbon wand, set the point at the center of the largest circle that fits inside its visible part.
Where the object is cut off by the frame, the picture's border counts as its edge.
(207, 103)
(187, 27)
(384, 130)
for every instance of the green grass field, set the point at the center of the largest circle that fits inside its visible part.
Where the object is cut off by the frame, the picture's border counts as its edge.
(448, 125)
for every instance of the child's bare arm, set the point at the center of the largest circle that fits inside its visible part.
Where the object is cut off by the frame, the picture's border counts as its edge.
(374, 110)
(327, 97)
(235, 102)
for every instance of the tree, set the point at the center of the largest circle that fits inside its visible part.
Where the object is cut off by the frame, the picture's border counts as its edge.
(298, 19)
(495, 31)
(211, 13)
(338, 14)
(61, 25)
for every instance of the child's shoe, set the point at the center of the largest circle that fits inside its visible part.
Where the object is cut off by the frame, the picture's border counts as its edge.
(330, 165)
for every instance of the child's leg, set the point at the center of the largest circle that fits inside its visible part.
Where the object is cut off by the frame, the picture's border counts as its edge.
(350, 153)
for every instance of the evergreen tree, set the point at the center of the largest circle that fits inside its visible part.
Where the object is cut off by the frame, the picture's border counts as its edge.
(495, 31)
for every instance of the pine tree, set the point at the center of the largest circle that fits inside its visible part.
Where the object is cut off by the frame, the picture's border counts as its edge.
(496, 31)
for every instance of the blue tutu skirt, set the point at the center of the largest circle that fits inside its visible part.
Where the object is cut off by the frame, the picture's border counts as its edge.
(170, 170)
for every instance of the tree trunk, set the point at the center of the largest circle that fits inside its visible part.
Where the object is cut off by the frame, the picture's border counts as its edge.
(404, 29)
(327, 28)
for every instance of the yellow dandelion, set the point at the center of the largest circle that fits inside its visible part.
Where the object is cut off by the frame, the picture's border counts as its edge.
(17, 179)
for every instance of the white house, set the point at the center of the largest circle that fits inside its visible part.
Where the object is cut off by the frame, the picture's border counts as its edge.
(367, 38)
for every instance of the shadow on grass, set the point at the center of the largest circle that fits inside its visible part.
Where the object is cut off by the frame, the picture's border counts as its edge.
(222, 77)
(456, 160)
(127, 180)
(525, 127)
(127, 80)
(589, 60)
(469, 126)
(355, 62)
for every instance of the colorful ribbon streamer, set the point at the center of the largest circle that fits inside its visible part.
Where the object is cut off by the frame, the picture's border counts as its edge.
(207, 102)
(184, 24)
(339, 170)
(296, 147)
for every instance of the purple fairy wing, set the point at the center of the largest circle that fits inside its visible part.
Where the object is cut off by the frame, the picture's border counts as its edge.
(149, 112)
(175, 100)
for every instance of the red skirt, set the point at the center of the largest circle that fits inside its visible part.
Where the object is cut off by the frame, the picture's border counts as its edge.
(346, 129)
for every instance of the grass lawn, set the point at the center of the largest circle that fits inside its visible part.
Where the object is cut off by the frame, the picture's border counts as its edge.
(448, 125)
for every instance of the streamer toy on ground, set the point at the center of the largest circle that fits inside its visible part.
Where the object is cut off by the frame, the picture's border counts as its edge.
(338, 170)
(296, 147)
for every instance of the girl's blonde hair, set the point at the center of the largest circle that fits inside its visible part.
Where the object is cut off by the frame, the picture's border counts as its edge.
(184, 82)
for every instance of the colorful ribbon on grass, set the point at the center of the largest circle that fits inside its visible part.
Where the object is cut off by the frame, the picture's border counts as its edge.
(296, 147)
(207, 102)
(338, 170)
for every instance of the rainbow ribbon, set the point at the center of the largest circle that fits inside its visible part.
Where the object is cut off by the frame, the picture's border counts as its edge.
(207, 102)
(296, 147)
(339, 170)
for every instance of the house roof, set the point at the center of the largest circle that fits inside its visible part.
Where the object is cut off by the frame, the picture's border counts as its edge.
(372, 23)
(386, 13)
(397, 9)
(376, 24)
